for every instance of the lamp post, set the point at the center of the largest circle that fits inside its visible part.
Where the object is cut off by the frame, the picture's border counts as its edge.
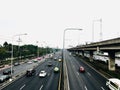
(37, 49)
(46, 47)
(64, 37)
(99, 20)
(12, 50)
(64, 64)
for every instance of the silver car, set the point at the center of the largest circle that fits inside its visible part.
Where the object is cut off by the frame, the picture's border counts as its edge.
(4, 78)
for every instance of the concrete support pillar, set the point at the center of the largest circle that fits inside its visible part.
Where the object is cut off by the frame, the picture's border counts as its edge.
(78, 52)
(82, 53)
(111, 62)
(91, 56)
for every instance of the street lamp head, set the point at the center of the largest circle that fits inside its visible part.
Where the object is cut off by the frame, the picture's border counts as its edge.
(74, 29)
(25, 34)
(80, 29)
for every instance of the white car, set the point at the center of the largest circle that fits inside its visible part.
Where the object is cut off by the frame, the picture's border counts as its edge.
(56, 69)
(30, 62)
(4, 78)
(42, 73)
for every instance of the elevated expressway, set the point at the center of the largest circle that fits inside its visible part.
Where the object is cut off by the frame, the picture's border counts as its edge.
(110, 46)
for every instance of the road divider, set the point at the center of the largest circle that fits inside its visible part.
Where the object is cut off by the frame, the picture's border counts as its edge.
(66, 80)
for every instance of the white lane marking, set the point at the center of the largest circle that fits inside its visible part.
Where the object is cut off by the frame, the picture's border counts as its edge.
(86, 88)
(89, 74)
(48, 74)
(77, 73)
(36, 74)
(73, 66)
(102, 88)
(22, 87)
(41, 87)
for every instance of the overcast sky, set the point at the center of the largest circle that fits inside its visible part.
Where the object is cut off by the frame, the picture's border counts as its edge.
(46, 20)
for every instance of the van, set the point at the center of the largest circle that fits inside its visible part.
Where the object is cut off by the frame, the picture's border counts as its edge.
(113, 84)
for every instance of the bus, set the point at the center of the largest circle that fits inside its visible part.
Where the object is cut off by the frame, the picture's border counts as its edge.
(113, 84)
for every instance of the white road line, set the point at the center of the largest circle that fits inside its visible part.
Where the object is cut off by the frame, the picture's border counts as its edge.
(86, 88)
(73, 66)
(36, 74)
(77, 73)
(102, 88)
(41, 87)
(48, 74)
(88, 73)
(22, 87)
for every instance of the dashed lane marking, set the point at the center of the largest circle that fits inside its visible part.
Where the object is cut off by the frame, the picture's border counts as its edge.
(102, 88)
(22, 87)
(88, 73)
(86, 88)
(41, 87)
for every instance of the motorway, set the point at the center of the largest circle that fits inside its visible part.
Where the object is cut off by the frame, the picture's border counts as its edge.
(50, 82)
(90, 80)
(21, 68)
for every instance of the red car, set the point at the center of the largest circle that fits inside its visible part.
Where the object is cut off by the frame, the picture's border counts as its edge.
(82, 69)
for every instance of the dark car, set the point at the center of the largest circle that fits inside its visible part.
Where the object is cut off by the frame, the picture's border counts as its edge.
(49, 63)
(82, 69)
(30, 72)
(7, 72)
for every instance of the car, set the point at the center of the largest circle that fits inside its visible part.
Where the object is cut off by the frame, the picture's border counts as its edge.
(4, 78)
(42, 73)
(29, 62)
(35, 60)
(56, 69)
(7, 72)
(49, 63)
(82, 69)
(59, 60)
(16, 64)
(30, 72)
(2, 66)
(55, 58)
(39, 58)
(113, 83)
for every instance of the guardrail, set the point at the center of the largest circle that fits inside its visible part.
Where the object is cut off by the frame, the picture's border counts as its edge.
(66, 80)
(60, 78)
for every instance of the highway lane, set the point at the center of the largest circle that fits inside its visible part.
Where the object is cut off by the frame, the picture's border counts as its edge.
(90, 80)
(21, 67)
(50, 82)
(19, 70)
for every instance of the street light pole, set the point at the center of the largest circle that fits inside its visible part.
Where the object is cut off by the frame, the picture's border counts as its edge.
(64, 38)
(46, 47)
(100, 29)
(12, 51)
(99, 20)
(37, 49)
(64, 64)
(19, 52)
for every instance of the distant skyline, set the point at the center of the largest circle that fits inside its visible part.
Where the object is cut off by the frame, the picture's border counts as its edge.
(45, 21)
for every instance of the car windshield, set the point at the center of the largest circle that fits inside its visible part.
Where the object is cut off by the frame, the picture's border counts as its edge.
(42, 71)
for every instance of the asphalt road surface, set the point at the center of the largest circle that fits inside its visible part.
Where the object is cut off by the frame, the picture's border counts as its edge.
(89, 80)
(50, 82)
